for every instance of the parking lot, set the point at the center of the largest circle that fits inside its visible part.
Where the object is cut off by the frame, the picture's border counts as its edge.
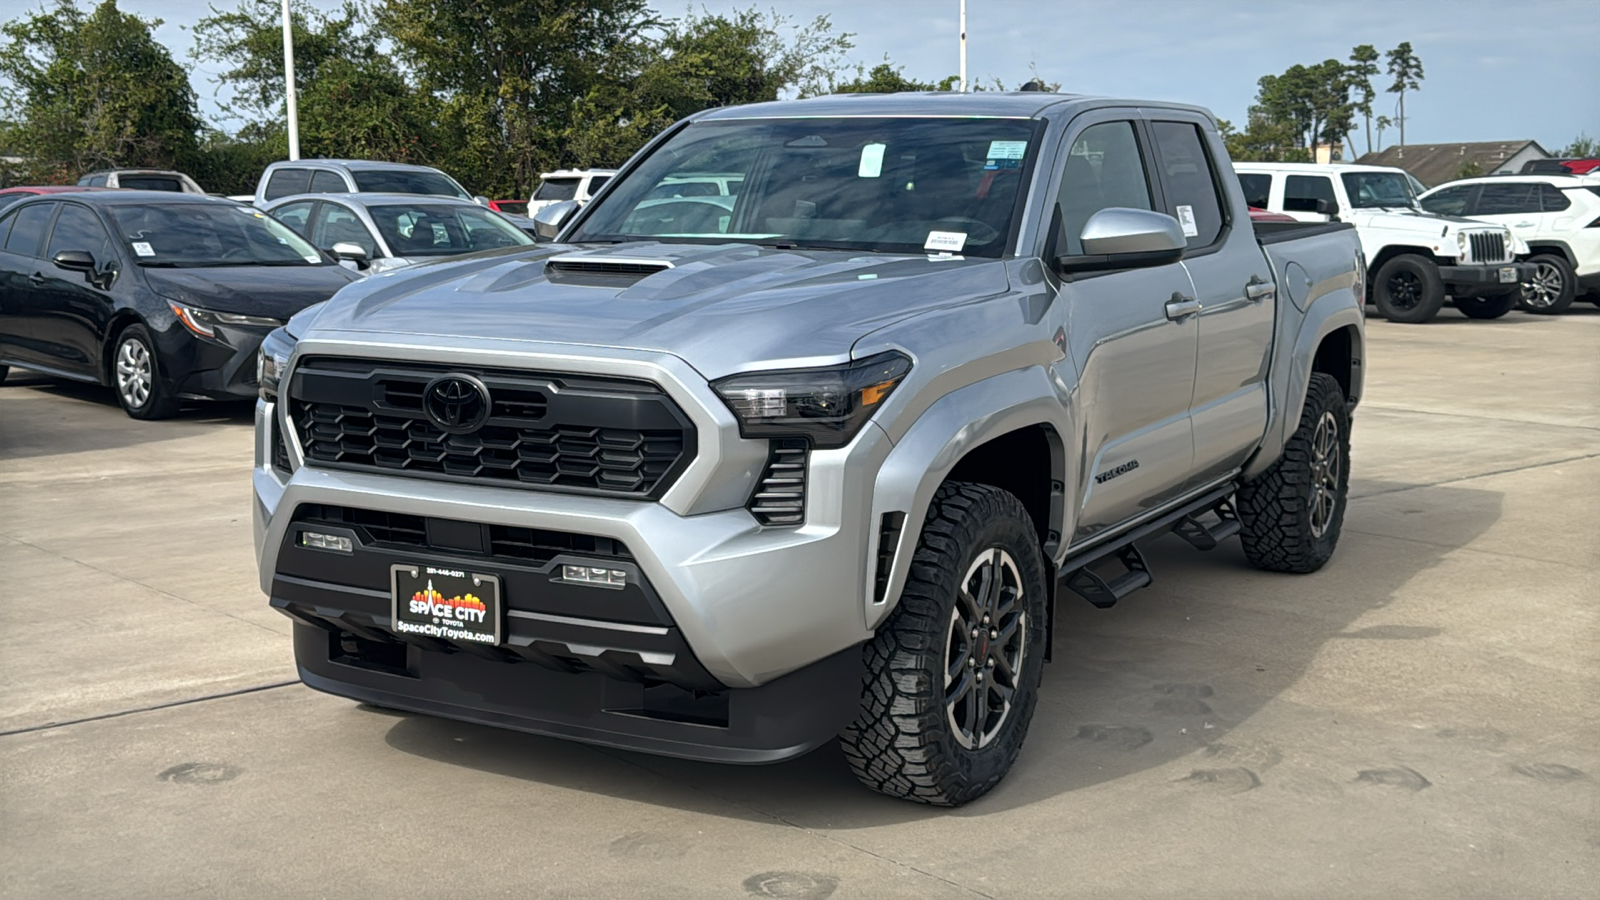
(1422, 717)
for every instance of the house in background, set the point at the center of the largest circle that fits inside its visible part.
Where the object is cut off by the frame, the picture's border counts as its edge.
(1435, 164)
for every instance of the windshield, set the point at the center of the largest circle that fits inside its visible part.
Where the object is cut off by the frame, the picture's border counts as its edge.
(443, 229)
(1379, 189)
(892, 185)
(194, 235)
(557, 189)
(403, 181)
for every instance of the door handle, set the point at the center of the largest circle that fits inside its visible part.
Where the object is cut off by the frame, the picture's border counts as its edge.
(37, 278)
(1524, 225)
(1258, 290)
(1180, 306)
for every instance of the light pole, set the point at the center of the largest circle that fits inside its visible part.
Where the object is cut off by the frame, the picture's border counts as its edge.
(964, 45)
(288, 84)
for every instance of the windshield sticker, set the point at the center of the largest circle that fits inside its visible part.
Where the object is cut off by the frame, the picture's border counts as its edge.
(143, 249)
(1186, 219)
(312, 258)
(1005, 155)
(871, 161)
(946, 241)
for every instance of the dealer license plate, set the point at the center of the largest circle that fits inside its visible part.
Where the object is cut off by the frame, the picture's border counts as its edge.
(1508, 275)
(446, 603)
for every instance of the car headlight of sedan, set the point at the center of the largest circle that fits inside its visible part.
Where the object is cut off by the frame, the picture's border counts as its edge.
(272, 361)
(204, 322)
(827, 405)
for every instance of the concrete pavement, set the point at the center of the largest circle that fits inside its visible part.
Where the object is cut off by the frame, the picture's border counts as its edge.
(1421, 718)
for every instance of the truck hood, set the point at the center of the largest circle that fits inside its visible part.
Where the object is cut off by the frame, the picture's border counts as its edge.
(722, 308)
(277, 292)
(1418, 220)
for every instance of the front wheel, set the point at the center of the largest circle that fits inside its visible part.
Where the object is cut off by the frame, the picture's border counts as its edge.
(136, 376)
(1408, 289)
(1486, 307)
(1292, 514)
(952, 675)
(1552, 287)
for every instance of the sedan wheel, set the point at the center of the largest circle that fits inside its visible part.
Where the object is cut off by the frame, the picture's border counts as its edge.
(1551, 289)
(136, 376)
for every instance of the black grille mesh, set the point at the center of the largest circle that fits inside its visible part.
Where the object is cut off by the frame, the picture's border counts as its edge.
(780, 495)
(1488, 247)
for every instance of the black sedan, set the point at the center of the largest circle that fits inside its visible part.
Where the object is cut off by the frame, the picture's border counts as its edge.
(164, 297)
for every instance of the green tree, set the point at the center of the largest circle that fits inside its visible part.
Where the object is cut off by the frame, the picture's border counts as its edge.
(353, 100)
(86, 90)
(1406, 68)
(1311, 102)
(1382, 123)
(888, 78)
(1581, 146)
(1362, 69)
(1468, 169)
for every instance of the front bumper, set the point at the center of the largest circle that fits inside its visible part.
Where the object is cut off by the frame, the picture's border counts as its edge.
(1484, 280)
(220, 368)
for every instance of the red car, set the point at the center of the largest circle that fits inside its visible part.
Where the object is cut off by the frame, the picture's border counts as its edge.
(1267, 215)
(515, 207)
(11, 195)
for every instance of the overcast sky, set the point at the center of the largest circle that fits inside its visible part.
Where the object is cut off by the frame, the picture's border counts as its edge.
(1503, 70)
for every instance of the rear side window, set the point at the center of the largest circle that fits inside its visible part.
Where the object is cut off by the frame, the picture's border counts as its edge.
(78, 228)
(1301, 193)
(287, 181)
(1192, 196)
(1257, 188)
(1450, 201)
(27, 230)
(150, 183)
(596, 183)
(295, 215)
(95, 181)
(557, 189)
(1507, 199)
(1551, 199)
(1105, 168)
(328, 183)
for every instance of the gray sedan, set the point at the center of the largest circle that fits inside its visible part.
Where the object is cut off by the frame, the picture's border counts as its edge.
(378, 232)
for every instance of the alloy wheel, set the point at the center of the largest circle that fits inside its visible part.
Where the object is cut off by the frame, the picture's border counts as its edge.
(983, 655)
(1405, 290)
(1325, 467)
(134, 373)
(1544, 288)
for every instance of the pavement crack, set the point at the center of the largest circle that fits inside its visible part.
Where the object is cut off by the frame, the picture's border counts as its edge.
(151, 708)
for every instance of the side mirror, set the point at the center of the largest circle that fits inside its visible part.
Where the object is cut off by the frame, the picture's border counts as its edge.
(547, 222)
(76, 260)
(481, 200)
(1328, 208)
(1120, 238)
(346, 250)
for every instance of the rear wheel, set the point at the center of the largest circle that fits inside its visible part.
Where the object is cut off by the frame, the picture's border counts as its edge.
(1487, 307)
(1552, 287)
(136, 376)
(1291, 516)
(1408, 289)
(952, 675)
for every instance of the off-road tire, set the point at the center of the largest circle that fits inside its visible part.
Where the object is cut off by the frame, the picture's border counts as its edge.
(1276, 510)
(1488, 307)
(1408, 289)
(904, 743)
(156, 402)
(4, 371)
(1550, 267)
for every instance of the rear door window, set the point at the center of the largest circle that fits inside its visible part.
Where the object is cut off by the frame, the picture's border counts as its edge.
(1257, 189)
(1551, 199)
(1450, 201)
(1192, 195)
(287, 181)
(1507, 200)
(557, 189)
(1301, 193)
(328, 183)
(296, 215)
(28, 228)
(78, 228)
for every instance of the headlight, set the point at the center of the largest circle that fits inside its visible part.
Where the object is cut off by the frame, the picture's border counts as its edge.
(1461, 242)
(204, 322)
(826, 405)
(272, 361)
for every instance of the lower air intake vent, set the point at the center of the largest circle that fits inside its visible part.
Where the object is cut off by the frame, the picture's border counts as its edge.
(888, 541)
(780, 497)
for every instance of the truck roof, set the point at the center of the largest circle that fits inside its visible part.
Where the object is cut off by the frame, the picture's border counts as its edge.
(974, 104)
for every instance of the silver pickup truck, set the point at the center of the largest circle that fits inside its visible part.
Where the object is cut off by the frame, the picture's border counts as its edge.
(725, 475)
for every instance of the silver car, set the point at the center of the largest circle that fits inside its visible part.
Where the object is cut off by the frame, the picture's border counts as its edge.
(378, 232)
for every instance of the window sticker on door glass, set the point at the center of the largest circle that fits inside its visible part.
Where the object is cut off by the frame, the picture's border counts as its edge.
(871, 161)
(1005, 154)
(143, 248)
(1186, 219)
(946, 241)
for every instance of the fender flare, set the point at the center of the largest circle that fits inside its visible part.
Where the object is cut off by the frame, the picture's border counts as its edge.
(1324, 315)
(945, 432)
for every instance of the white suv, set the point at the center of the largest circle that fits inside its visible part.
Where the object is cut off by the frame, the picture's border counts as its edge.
(1414, 257)
(1557, 215)
(568, 184)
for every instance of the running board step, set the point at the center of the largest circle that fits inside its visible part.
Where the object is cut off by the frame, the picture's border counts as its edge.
(1206, 537)
(1104, 593)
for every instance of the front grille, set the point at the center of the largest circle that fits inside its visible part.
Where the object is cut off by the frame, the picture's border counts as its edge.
(1488, 247)
(581, 434)
(280, 448)
(780, 495)
(403, 531)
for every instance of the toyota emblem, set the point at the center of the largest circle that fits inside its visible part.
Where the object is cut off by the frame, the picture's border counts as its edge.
(456, 403)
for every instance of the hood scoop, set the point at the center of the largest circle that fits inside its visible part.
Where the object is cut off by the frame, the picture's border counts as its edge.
(608, 270)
